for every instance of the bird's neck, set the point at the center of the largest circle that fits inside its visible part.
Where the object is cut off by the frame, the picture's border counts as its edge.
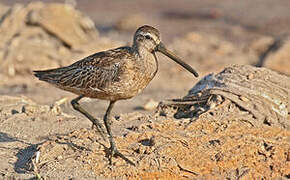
(141, 51)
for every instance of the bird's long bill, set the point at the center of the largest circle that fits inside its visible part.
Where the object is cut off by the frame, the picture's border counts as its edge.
(161, 48)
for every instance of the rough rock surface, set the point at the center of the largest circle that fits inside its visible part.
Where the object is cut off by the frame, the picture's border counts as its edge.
(263, 93)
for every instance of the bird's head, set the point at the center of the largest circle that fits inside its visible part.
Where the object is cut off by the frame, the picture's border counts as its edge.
(148, 38)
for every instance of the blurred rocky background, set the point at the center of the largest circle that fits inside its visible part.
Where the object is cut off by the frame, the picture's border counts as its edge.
(209, 35)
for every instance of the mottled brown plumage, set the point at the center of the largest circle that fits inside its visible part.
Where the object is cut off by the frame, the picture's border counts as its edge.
(112, 75)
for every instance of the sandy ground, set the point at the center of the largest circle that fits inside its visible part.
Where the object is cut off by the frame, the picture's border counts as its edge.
(209, 35)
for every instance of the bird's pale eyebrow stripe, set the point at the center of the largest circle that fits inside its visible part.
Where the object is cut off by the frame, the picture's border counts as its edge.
(146, 34)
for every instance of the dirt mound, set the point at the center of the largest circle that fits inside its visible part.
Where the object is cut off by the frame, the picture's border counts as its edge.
(172, 149)
(209, 141)
(37, 36)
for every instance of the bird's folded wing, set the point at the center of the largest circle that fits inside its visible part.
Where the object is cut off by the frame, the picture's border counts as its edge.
(94, 72)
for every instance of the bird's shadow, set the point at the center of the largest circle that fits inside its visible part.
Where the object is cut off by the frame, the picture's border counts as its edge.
(23, 155)
(4, 137)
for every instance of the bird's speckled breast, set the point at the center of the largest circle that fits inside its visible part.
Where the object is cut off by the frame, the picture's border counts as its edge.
(136, 76)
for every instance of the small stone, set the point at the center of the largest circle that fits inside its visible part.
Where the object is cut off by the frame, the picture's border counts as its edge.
(201, 109)
(219, 99)
(59, 157)
(243, 98)
(11, 70)
(151, 105)
(29, 109)
(13, 111)
(212, 105)
(250, 76)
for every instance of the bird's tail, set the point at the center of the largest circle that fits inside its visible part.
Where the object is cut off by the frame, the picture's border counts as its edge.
(50, 75)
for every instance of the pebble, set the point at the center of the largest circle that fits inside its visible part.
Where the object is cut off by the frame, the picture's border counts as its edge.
(151, 105)
(250, 76)
(243, 98)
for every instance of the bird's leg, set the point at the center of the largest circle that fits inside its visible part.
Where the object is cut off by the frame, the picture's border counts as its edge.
(77, 106)
(113, 149)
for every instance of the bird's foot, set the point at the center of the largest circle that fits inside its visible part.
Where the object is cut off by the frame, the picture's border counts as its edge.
(114, 152)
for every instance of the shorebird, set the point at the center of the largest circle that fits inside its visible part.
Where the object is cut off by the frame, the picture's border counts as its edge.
(112, 75)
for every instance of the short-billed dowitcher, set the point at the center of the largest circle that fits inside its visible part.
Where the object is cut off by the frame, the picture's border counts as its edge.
(112, 75)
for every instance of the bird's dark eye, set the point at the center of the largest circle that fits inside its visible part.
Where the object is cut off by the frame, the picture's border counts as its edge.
(148, 37)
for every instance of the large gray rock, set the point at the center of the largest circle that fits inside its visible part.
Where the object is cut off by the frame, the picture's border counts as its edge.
(258, 96)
